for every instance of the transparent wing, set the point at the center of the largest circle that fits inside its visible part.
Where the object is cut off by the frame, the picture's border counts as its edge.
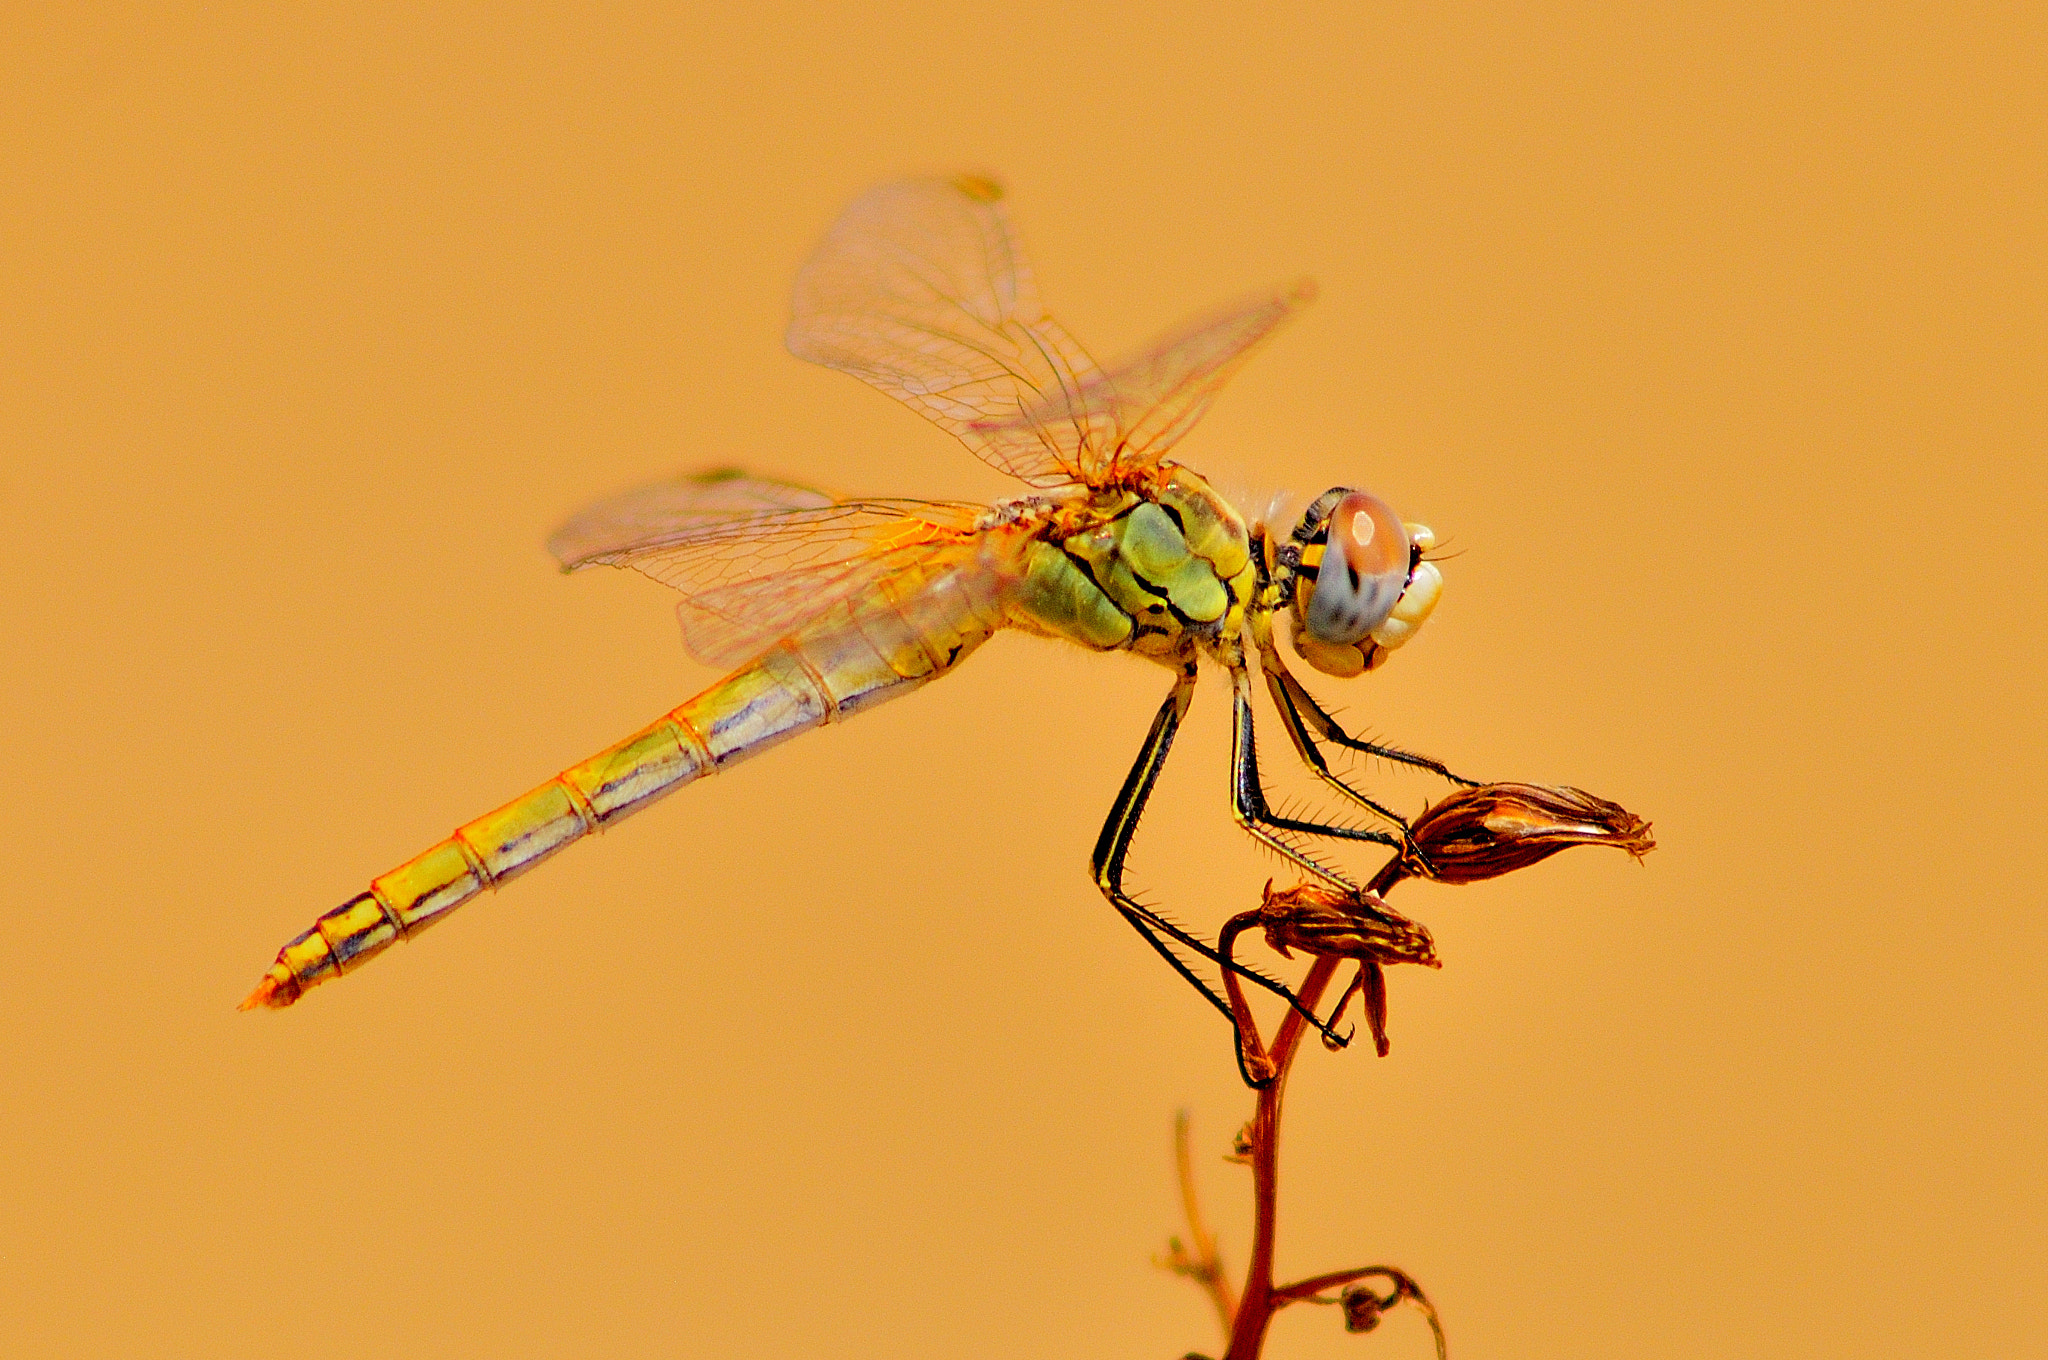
(756, 559)
(674, 509)
(728, 624)
(1156, 396)
(920, 290)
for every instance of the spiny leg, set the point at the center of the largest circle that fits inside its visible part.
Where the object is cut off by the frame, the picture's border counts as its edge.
(1114, 844)
(1248, 797)
(1303, 715)
(1311, 755)
(1297, 705)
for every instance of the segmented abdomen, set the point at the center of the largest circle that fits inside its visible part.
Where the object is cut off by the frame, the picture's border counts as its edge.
(840, 665)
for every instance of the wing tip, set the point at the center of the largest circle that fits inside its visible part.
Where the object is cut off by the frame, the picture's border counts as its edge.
(980, 188)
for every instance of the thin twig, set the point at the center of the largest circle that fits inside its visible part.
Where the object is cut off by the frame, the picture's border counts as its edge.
(1362, 1307)
(1200, 1261)
(1477, 832)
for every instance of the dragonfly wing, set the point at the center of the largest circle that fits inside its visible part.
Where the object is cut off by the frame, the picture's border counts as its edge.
(1153, 398)
(757, 559)
(920, 289)
(678, 507)
(1161, 393)
(731, 623)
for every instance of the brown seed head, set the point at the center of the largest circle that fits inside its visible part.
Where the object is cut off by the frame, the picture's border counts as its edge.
(1362, 1308)
(1493, 829)
(1324, 921)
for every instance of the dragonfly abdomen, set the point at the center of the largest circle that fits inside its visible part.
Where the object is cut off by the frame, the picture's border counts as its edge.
(802, 683)
(489, 852)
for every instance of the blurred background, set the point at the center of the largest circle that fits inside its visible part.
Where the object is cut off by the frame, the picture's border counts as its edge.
(1712, 343)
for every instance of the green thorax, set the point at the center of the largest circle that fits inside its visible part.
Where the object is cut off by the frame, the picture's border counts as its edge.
(1154, 570)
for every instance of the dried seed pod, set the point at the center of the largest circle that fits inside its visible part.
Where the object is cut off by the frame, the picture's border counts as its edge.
(1324, 921)
(1357, 925)
(1362, 1308)
(1493, 829)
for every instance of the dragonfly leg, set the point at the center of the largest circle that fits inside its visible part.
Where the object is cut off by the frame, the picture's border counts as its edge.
(1303, 715)
(1248, 798)
(1114, 844)
(1299, 733)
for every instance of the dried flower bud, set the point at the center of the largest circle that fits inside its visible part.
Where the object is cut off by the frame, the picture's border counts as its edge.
(1493, 829)
(1351, 925)
(1362, 1309)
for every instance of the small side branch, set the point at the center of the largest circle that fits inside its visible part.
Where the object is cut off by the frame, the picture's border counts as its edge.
(1363, 1307)
(1198, 1258)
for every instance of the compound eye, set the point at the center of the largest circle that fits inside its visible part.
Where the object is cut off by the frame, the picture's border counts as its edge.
(1364, 570)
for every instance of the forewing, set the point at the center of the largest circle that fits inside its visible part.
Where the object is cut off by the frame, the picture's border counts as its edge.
(920, 290)
(1161, 393)
(1155, 397)
(756, 559)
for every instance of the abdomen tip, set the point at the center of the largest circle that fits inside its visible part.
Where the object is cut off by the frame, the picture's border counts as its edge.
(271, 992)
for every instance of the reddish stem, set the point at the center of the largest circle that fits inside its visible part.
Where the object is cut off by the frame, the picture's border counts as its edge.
(1309, 1288)
(1258, 1303)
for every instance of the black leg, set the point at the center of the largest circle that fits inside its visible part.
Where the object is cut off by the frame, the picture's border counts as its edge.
(1248, 798)
(1299, 706)
(1115, 842)
(1311, 755)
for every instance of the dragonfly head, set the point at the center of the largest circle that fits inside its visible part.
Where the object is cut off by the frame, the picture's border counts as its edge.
(1355, 582)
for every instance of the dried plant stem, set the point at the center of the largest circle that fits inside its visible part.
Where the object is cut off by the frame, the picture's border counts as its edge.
(1200, 1261)
(1261, 1300)
(1248, 1334)
(1480, 831)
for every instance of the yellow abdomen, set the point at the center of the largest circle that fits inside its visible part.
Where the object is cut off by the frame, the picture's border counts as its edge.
(842, 664)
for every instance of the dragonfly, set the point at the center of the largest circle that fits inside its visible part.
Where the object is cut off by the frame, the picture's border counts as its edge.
(820, 606)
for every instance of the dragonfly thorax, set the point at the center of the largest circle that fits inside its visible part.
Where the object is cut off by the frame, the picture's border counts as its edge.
(1157, 570)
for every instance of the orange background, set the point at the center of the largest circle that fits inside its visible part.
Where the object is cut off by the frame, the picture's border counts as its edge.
(1715, 345)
